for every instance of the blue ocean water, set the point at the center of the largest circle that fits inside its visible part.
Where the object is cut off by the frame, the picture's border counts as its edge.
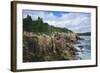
(85, 54)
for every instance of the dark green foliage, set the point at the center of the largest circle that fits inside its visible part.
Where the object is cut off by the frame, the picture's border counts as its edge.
(27, 23)
(84, 34)
(40, 26)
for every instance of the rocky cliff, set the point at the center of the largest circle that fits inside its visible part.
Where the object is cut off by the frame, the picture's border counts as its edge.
(53, 47)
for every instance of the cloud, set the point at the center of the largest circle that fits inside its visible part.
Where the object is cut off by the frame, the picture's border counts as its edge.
(75, 21)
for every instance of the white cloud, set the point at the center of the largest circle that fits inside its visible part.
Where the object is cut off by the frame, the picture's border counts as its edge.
(78, 22)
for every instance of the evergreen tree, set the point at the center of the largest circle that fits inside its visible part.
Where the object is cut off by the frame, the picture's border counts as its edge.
(27, 23)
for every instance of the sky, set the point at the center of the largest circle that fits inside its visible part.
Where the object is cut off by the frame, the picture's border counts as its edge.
(78, 22)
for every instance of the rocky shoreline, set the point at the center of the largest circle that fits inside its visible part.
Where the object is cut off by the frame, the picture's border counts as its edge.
(56, 46)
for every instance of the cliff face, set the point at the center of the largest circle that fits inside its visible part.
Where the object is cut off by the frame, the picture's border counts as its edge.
(53, 47)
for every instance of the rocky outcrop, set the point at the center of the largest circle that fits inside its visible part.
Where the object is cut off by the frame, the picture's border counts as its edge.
(52, 47)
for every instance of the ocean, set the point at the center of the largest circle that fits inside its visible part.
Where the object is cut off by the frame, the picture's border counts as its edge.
(84, 48)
